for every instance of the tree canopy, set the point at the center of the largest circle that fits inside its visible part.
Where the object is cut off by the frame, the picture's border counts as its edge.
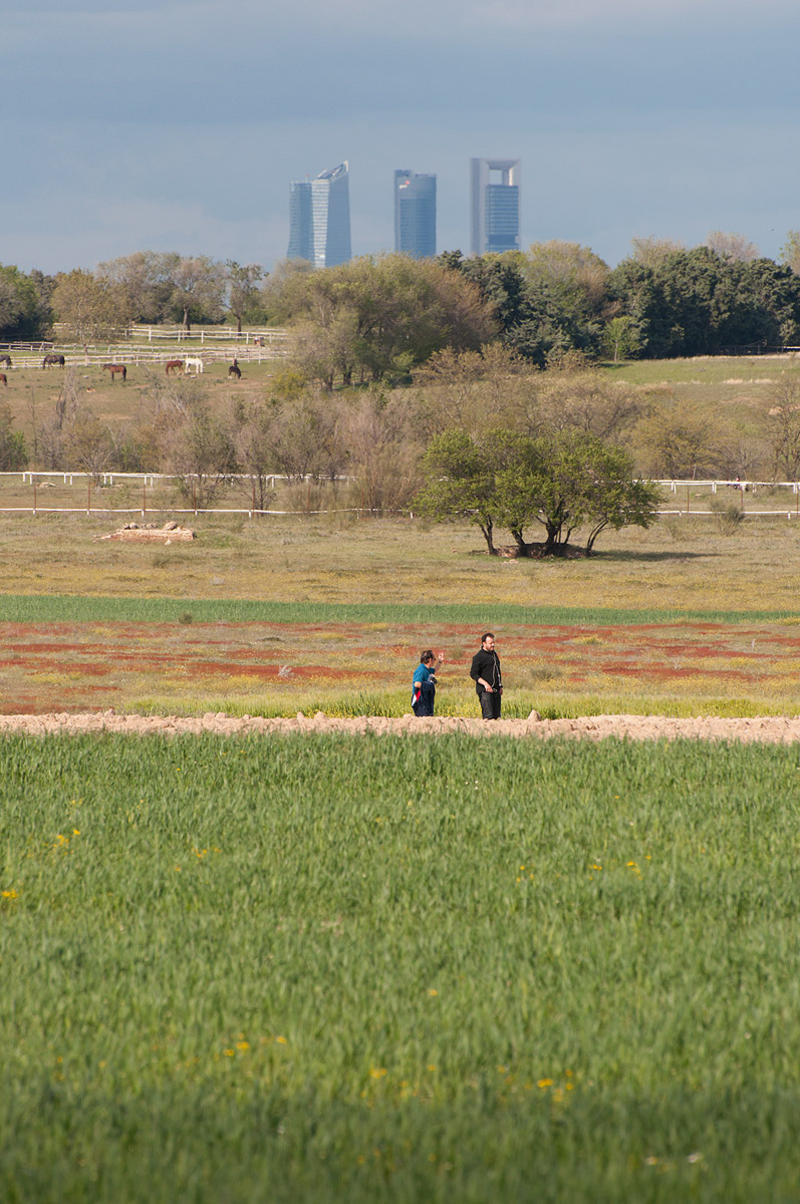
(24, 309)
(373, 319)
(561, 481)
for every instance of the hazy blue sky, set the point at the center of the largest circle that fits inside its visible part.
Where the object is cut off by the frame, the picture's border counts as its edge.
(178, 126)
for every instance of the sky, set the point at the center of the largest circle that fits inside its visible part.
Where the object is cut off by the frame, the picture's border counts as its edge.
(178, 126)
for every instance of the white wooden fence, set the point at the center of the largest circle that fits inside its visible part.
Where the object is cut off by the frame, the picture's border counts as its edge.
(159, 344)
(742, 495)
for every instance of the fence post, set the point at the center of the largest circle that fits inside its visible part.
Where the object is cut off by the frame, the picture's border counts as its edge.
(144, 497)
(89, 496)
(33, 482)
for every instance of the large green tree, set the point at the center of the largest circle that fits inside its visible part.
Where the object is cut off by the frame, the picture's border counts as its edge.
(460, 483)
(373, 319)
(700, 302)
(561, 481)
(549, 300)
(198, 288)
(163, 286)
(24, 313)
(90, 308)
(242, 291)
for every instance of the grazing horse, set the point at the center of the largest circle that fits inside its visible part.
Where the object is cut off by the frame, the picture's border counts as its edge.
(56, 361)
(5, 359)
(3, 378)
(235, 370)
(193, 361)
(115, 369)
(173, 366)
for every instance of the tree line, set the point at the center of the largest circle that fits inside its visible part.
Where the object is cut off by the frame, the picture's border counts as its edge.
(378, 318)
(148, 286)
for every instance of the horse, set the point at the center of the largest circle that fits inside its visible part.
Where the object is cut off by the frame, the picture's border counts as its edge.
(235, 370)
(193, 361)
(5, 359)
(173, 366)
(56, 361)
(3, 378)
(115, 369)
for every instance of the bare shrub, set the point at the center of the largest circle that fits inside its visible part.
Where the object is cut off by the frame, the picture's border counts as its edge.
(383, 454)
(728, 516)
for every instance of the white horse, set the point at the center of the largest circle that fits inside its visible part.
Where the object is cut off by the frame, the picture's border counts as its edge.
(193, 362)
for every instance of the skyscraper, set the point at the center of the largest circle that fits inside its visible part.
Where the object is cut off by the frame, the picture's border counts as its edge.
(415, 214)
(495, 205)
(319, 218)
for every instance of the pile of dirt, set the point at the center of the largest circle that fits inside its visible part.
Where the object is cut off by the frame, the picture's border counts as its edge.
(767, 729)
(151, 533)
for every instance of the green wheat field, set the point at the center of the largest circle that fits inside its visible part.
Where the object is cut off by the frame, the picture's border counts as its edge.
(323, 968)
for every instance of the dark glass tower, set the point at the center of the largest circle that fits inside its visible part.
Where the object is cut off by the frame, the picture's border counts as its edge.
(415, 214)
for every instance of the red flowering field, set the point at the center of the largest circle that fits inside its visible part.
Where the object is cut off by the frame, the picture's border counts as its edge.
(89, 666)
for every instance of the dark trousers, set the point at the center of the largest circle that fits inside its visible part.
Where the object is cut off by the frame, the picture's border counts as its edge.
(426, 700)
(490, 704)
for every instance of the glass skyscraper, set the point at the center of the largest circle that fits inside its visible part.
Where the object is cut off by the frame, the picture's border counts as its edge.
(415, 214)
(495, 205)
(319, 218)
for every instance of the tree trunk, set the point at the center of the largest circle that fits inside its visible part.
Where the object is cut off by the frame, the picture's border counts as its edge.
(487, 529)
(519, 540)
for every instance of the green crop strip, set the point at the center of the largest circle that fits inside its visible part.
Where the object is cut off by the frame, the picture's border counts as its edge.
(34, 608)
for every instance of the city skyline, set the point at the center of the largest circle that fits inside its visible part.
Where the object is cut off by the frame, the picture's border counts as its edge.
(632, 121)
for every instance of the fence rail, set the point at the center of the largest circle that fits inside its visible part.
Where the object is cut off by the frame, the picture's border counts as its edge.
(174, 333)
(137, 356)
(93, 483)
(157, 344)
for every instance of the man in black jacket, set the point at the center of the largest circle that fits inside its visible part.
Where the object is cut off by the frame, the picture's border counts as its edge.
(485, 672)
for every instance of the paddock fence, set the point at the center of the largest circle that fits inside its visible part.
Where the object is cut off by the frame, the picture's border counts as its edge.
(144, 345)
(36, 492)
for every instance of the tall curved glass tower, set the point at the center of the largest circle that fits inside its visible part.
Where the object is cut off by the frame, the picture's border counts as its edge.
(319, 218)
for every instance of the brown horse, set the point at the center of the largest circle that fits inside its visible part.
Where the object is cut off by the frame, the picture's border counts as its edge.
(5, 359)
(235, 370)
(56, 361)
(173, 366)
(116, 369)
(3, 378)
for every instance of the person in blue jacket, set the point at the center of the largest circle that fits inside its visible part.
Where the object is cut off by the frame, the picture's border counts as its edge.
(423, 685)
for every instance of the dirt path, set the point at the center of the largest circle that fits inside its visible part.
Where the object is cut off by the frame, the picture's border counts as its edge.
(770, 730)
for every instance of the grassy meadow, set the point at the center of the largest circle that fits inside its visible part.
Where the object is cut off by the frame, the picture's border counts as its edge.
(240, 970)
(280, 614)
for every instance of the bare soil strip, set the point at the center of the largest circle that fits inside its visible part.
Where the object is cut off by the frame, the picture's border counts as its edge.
(768, 730)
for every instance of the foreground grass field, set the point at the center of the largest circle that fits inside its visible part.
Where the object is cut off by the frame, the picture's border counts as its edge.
(321, 969)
